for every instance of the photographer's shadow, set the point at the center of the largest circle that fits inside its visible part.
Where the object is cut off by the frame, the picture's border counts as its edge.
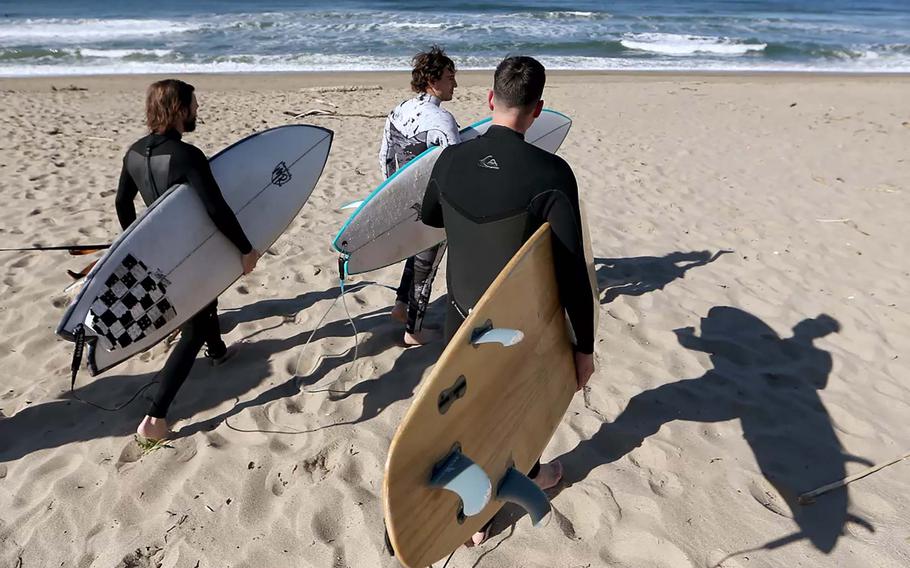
(771, 385)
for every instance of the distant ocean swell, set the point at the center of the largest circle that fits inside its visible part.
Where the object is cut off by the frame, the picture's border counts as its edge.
(368, 40)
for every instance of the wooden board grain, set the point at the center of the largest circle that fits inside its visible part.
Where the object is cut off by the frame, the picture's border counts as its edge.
(514, 400)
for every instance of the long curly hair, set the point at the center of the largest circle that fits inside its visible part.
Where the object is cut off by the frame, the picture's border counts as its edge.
(166, 102)
(429, 66)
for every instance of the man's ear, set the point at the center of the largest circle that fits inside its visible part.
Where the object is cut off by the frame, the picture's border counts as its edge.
(490, 98)
(538, 109)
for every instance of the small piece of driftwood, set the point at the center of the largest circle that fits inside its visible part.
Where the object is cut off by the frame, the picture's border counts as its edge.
(342, 89)
(808, 498)
(311, 112)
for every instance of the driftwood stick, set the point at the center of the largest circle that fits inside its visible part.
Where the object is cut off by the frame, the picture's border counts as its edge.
(311, 112)
(807, 498)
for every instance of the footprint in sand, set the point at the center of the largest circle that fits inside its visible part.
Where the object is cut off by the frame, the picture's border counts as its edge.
(324, 526)
(22, 262)
(145, 557)
(649, 456)
(278, 447)
(215, 440)
(665, 483)
(278, 485)
(186, 450)
(291, 407)
(351, 471)
(768, 497)
(131, 453)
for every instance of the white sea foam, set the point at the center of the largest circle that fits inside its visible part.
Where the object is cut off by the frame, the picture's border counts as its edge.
(119, 53)
(302, 63)
(682, 45)
(77, 31)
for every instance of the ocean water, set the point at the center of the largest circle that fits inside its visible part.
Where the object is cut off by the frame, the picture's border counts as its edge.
(56, 37)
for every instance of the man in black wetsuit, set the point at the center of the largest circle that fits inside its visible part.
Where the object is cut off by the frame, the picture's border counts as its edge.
(491, 194)
(151, 166)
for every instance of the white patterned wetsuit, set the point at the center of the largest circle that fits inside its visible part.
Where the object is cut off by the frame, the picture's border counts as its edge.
(411, 128)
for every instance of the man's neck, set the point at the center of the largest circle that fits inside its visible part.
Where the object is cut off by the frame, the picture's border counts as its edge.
(175, 132)
(433, 98)
(511, 120)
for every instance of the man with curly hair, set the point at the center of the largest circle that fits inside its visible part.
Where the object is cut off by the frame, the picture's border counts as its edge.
(411, 128)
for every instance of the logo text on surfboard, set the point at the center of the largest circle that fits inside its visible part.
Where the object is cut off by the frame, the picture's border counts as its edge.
(281, 174)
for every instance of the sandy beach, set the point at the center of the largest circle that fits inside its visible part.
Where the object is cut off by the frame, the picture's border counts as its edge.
(754, 339)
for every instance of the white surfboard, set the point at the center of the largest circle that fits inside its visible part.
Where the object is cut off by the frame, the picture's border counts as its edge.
(172, 261)
(386, 228)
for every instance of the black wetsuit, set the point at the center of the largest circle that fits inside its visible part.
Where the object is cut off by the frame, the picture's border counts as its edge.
(150, 167)
(491, 194)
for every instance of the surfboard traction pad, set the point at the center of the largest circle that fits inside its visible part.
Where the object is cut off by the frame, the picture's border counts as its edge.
(134, 301)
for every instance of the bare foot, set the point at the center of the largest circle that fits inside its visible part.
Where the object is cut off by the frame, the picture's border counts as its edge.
(153, 428)
(422, 337)
(549, 476)
(400, 312)
(480, 536)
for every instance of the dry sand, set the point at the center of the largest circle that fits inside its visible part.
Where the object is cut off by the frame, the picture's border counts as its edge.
(754, 340)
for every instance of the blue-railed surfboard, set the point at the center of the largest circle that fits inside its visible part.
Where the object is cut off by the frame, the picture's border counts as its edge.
(385, 228)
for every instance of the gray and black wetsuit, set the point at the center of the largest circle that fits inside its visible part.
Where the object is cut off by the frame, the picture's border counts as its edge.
(151, 166)
(491, 194)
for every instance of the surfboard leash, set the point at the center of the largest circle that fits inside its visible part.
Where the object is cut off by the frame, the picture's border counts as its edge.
(79, 334)
(449, 558)
(317, 327)
(75, 250)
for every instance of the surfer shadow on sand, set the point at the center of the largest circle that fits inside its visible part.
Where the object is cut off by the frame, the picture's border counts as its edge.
(65, 420)
(635, 276)
(771, 385)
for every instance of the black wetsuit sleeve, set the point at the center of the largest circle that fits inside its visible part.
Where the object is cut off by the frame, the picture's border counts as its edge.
(560, 208)
(431, 209)
(199, 175)
(126, 193)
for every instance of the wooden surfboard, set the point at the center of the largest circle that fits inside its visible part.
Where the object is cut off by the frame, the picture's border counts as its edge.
(493, 403)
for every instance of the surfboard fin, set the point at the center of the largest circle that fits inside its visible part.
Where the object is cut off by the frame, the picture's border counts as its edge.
(459, 474)
(503, 336)
(518, 488)
(351, 205)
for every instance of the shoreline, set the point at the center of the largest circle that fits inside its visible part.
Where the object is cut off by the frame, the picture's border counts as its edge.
(394, 79)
